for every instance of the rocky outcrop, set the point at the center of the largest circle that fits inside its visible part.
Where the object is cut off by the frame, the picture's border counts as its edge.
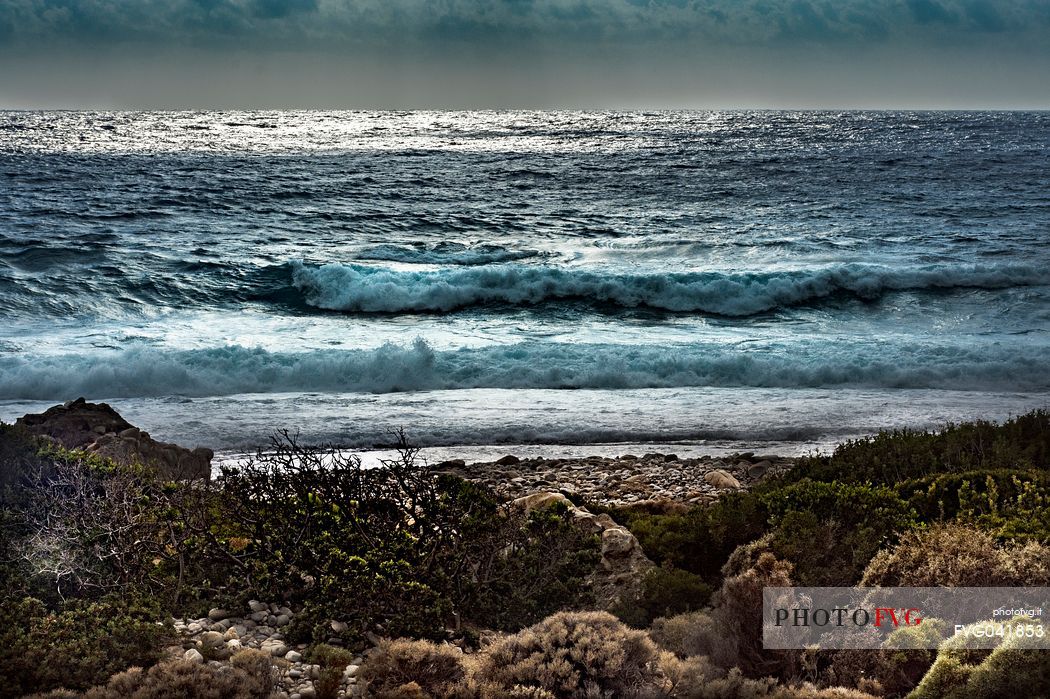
(99, 429)
(623, 564)
(75, 424)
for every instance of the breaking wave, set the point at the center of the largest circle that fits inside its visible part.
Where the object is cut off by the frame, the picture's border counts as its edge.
(446, 254)
(363, 289)
(146, 371)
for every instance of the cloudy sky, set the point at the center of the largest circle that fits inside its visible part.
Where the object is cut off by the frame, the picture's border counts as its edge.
(524, 53)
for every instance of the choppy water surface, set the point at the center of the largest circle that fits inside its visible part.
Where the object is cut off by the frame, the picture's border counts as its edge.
(690, 278)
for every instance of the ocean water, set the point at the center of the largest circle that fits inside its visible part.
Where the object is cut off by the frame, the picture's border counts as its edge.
(492, 281)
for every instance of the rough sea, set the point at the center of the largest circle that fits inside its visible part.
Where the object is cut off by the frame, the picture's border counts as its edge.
(494, 282)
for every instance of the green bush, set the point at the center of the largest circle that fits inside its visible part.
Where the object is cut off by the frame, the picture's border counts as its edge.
(1011, 504)
(829, 531)
(700, 540)
(664, 592)
(1013, 669)
(541, 570)
(76, 647)
(398, 550)
(891, 457)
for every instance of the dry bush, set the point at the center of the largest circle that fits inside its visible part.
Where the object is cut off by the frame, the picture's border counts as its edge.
(262, 670)
(700, 684)
(686, 635)
(409, 690)
(435, 669)
(956, 556)
(250, 678)
(574, 654)
(737, 619)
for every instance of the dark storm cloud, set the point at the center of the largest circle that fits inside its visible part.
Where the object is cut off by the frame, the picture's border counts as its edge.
(524, 52)
(336, 21)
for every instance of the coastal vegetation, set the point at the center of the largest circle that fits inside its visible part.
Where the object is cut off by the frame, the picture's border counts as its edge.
(408, 581)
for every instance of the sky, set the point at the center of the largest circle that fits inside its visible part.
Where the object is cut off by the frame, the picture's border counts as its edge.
(466, 54)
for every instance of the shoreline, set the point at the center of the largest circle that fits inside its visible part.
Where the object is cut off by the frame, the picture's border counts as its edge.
(623, 478)
(628, 479)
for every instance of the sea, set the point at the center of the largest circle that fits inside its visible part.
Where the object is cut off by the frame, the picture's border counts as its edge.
(528, 282)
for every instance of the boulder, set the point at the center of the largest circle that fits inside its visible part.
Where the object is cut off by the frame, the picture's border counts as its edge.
(99, 429)
(212, 639)
(721, 479)
(508, 460)
(274, 646)
(538, 501)
(760, 469)
(217, 614)
(617, 542)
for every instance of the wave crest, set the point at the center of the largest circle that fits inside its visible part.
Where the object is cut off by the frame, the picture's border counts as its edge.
(362, 289)
(146, 371)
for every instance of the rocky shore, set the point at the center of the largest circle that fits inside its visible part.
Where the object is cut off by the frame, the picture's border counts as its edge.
(624, 480)
(659, 479)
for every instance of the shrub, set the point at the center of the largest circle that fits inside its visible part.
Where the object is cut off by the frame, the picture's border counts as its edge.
(696, 678)
(332, 661)
(1014, 668)
(542, 569)
(251, 679)
(434, 668)
(19, 460)
(890, 457)
(829, 531)
(686, 635)
(1011, 504)
(574, 654)
(664, 592)
(894, 672)
(699, 540)
(737, 617)
(77, 647)
(398, 550)
(262, 673)
(91, 528)
(952, 555)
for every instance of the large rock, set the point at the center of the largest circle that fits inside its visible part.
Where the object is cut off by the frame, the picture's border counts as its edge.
(619, 574)
(98, 428)
(539, 501)
(721, 479)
